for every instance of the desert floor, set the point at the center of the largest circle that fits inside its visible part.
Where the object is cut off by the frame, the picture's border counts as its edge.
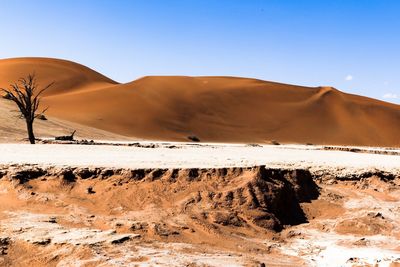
(181, 204)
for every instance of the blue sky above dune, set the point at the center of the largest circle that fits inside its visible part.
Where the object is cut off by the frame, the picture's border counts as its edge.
(352, 45)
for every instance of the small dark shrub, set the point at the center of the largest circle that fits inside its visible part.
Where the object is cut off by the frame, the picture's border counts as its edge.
(193, 138)
(42, 117)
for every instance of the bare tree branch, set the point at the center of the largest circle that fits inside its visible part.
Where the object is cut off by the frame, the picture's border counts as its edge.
(25, 95)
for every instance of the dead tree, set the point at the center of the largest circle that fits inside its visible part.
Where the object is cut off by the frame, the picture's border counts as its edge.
(66, 137)
(26, 96)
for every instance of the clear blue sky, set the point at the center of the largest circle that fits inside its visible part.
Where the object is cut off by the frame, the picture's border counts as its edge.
(353, 45)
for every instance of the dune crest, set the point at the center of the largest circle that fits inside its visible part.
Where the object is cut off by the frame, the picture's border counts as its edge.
(67, 76)
(214, 109)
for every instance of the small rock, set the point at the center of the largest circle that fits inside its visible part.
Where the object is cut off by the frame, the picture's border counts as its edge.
(52, 220)
(334, 196)
(162, 230)
(90, 190)
(379, 215)
(227, 219)
(331, 181)
(118, 224)
(352, 259)
(43, 242)
(292, 234)
(4, 243)
(138, 226)
(122, 239)
(361, 242)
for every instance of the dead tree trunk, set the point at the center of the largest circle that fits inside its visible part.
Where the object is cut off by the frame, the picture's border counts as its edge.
(31, 135)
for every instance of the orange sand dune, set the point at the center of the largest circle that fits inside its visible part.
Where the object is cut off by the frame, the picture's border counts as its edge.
(216, 109)
(66, 75)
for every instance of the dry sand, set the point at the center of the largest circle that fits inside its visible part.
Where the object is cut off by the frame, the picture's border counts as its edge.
(187, 204)
(199, 210)
(215, 109)
(13, 128)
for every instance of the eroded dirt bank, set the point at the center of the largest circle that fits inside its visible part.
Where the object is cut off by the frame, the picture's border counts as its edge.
(52, 216)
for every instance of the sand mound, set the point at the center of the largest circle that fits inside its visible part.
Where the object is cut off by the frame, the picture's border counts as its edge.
(371, 224)
(267, 198)
(67, 76)
(255, 197)
(216, 109)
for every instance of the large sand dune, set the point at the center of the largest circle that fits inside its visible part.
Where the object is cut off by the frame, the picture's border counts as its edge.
(216, 109)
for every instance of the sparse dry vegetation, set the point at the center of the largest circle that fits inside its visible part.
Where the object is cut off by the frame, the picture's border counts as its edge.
(26, 95)
(193, 138)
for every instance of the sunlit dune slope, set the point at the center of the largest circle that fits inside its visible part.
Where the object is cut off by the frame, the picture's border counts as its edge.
(219, 109)
(66, 75)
